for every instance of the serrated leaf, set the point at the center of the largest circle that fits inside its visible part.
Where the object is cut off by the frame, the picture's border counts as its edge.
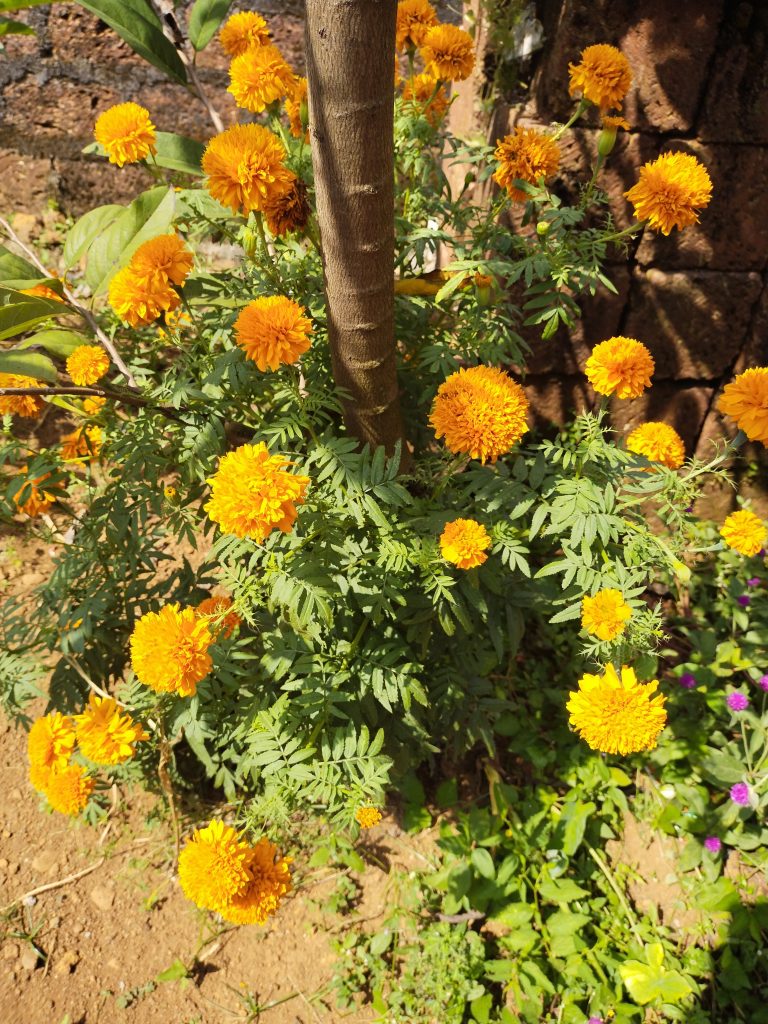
(136, 23)
(29, 364)
(204, 18)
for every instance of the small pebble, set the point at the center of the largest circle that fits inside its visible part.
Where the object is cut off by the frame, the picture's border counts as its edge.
(29, 959)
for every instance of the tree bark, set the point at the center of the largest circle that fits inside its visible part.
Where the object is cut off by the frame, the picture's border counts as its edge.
(350, 47)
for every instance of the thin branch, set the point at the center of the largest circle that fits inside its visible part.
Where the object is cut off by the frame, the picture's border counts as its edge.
(202, 95)
(118, 396)
(51, 885)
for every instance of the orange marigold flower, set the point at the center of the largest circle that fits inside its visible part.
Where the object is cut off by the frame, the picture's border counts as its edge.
(28, 406)
(273, 331)
(287, 211)
(620, 365)
(610, 122)
(82, 444)
(448, 52)
(296, 108)
(744, 532)
(218, 613)
(163, 259)
(31, 500)
(242, 31)
(617, 715)
(212, 866)
(169, 650)
(259, 77)
(68, 789)
(50, 744)
(270, 880)
(606, 614)
(658, 442)
(138, 299)
(367, 817)
(603, 76)
(93, 406)
(746, 400)
(414, 17)
(126, 132)
(527, 155)
(464, 542)
(251, 493)
(423, 91)
(87, 364)
(245, 167)
(670, 190)
(106, 736)
(42, 291)
(480, 412)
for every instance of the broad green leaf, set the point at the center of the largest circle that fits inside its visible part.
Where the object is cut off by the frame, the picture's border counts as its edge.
(58, 342)
(721, 767)
(561, 891)
(175, 972)
(17, 317)
(9, 27)
(29, 364)
(178, 153)
(150, 214)
(87, 229)
(17, 5)
(204, 18)
(136, 23)
(651, 981)
(483, 862)
(16, 272)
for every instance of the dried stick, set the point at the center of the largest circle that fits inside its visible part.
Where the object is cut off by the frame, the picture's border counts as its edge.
(51, 885)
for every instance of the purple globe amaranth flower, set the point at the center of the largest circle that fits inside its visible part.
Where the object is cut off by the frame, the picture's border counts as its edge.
(688, 681)
(744, 600)
(762, 682)
(713, 844)
(737, 701)
(755, 581)
(595, 1020)
(740, 794)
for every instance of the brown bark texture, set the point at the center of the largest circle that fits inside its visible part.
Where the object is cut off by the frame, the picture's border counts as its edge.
(350, 46)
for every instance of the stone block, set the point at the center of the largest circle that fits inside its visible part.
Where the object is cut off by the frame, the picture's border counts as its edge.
(53, 116)
(556, 398)
(25, 181)
(682, 407)
(80, 185)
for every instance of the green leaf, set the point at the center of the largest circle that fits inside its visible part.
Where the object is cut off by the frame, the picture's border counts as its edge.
(150, 214)
(561, 891)
(178, 153)
(204, 18)
(483, 862)
(17, 317)
(651, 981)
(175, 972)
(87, 229)
(58, 342)
(8, 27)
(30, 364)
(722, 768)
(17, 5)
(16, 272)
(136, 23)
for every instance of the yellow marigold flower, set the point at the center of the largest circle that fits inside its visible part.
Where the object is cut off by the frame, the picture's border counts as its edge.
(138, 299)
(163, 259)
(50, 744)
(28, 406)
(448, 52)
(126, 132)
(287, 211)
(81, 445)
(93, 406)
(464, 542)
(658, 442)
(106, 736)
(251, 493)
(422, 90)
(169, 650)
(527, 155)
(273, 331)
(259, 77)
(294, 102)
(606, 614)
(620, 365)
(31, 500)
(603, 76)
(609, 122)
(744, 532)
(480, 412)
(87, 364)
(270, 880)
(212, 866)
(617, 715)
(367, 817)
(746, 400)
(245, 167)
(218, 613)
(242, 31)
(68, 789)
(414, 18)
(670, 190)
(42, 291)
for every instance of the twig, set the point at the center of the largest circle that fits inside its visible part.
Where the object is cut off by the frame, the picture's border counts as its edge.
(167, 786)
(202, 95)
(52, 885)
(468, 915)
(94, 686)
(118, 396)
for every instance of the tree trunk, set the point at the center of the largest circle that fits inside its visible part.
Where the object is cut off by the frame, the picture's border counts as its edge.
(350, 48)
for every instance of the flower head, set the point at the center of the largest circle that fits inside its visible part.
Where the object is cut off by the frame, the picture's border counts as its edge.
(480, 411)
(245, 167)
(220, 616)
(212, 866)
(448, 52)
(658, 442)
(610, 123)
(620, 365)
(42, 291)
(669, 191)
(737, 701)
(27, 406)
(287, 210)
(126, 132)
(713, 845)
(744, 600)
(81, 445)
(754, 581)
(273, 331)
(169, 650)
(740, 794)
(296, 107)
(252, 494)
(106, 736)
(258, 77)
(31, 500)
(68, 788)
(746, 400)
(242, 31)
(744, 532)
(414, 17)
(617, 715)
(426, 92)
(602, 76)
(50, 744)
(162, 259)
(138, 299)
(526, 155)
(606, 614)
(762, 682)
(87, 364)
(464, 542)
(688, 681)
(367, 817)
(269, 880)
(92, 406)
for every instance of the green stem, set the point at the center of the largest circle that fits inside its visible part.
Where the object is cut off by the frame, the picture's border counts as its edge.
(581, 107)
(635, 226)
(617, 889)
